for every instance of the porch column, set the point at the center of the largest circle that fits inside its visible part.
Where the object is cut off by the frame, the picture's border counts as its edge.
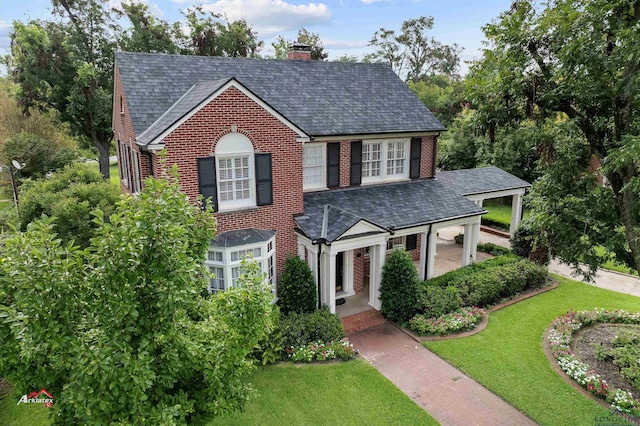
(479, 202)
(475, 237)
(377, 257)
(422, 270)
(312, 262)
(516, 213)
(328, 280)
(431, 248)
(301, 250)
(467, 244)
(347, 273)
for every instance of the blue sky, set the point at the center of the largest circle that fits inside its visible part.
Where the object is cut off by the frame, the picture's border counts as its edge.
(345, 26)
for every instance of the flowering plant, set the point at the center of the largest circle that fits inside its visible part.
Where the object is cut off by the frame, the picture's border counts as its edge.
(559, 337)
(460, 320)
(315, 351)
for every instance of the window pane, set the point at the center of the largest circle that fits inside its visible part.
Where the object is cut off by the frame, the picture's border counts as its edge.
(371, 164)
(313, 165)
(234, 178)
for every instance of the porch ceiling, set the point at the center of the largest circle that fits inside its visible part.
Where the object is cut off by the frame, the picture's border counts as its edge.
(327, 215)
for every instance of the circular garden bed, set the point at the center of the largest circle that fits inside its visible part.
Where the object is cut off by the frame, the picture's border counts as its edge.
(600, 350)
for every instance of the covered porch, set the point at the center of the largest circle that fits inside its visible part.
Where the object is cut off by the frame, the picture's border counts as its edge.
(346, 234)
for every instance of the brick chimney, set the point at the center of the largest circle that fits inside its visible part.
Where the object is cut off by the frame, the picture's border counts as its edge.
(299, 52)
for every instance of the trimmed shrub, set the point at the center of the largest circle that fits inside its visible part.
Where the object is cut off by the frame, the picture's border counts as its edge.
(522, 240)
(438, 301)
(501, 226)
(296, 287)
(300, 329)
(493, 249)
(482, 285)
(399, 288)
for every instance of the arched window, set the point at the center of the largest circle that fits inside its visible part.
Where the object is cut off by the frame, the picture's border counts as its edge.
(235, 172)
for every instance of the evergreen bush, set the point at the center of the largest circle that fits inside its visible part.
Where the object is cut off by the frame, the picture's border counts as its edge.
(296, 287)
(399, 287)
(300, 329)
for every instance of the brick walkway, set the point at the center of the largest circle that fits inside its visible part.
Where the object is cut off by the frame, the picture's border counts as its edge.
(443, 391)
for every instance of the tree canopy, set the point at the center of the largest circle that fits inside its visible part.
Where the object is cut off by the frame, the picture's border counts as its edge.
(412, 53)
(281, 46)
(119, 333)
(580, 59)
(66, 63)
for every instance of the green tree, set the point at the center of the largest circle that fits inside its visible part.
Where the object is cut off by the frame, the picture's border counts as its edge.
(296, 288)
(147, 33)
(579, 58)
(213, 34)
(412, 53)
(40, 155)
(69, 196)
(119, 333)
(399, 287)
(67, 65)
(281, 46)
(443, 95)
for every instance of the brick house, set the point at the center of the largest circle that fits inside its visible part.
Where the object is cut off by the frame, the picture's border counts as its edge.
(334, 162)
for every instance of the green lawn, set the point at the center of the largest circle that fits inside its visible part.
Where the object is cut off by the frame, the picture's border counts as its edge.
(507, 356)
(351, 393)
(114, 173)
(12, 414)
(497, 212)
(612, 265)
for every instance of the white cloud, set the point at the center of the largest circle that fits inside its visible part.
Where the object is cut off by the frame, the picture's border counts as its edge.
(5, 41)
(270, 17)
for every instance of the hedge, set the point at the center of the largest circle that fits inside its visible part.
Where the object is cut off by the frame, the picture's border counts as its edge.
(300, 329)
(481, 285)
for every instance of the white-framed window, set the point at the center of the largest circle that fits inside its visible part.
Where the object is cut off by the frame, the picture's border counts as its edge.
(396, 243)
(314, 166)
(216, 282)
(124, 160)
(225, 263)
(385, 160)
(235, 172)
(371, 159)
(136, 184)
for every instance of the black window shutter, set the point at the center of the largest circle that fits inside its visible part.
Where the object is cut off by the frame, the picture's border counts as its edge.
(207, 180)
(264, 180)
(333, 165)
(356, 163)
(412, 242)
(416, 151)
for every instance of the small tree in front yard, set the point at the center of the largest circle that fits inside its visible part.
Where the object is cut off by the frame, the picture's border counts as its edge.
(119, 333)
(399, 287)
(296, 287)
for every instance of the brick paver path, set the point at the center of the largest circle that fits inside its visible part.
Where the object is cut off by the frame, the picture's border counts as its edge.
(443, 391)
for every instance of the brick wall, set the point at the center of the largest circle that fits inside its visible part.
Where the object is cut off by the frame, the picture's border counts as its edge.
(198, 136)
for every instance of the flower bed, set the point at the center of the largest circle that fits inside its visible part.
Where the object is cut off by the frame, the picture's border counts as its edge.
(461, 320)
(336, 349)
(559, 335)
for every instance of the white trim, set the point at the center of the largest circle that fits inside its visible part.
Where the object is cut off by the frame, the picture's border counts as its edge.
(384, 175)
(323, 167)
(398, 134)
(495, 194)
(361, 227)
(159, 140)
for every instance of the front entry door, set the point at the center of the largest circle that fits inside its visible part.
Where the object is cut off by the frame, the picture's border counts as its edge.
(339, 271)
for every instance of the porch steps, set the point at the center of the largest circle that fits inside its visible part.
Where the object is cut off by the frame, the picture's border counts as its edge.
(362, 321)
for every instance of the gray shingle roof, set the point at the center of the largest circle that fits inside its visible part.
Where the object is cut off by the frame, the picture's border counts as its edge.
(241, 237)
(480, 180)
(321, 98)
(389, 206)
(191, 99)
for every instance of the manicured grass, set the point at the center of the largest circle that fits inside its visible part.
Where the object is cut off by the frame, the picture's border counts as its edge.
(12, 414)
(350, 393)
(114, 173)
(497, 212)
(612, 265)
(507, 356)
